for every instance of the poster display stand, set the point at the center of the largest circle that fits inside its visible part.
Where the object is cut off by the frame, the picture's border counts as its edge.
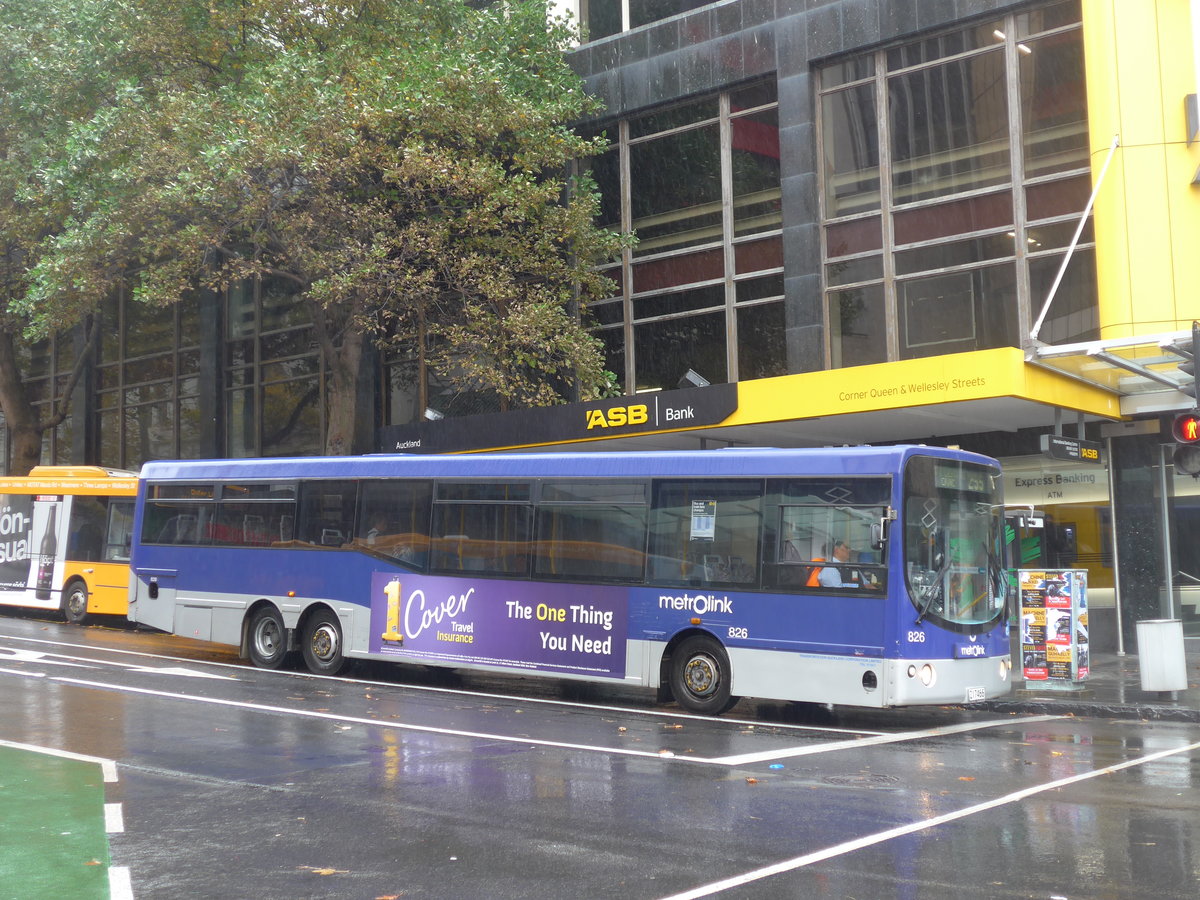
(1054, 627)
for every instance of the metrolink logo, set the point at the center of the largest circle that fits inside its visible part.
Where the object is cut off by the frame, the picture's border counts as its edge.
(700, 604)
(637, 414)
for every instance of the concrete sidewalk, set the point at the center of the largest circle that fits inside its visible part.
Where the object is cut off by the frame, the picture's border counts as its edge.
(1113, 690)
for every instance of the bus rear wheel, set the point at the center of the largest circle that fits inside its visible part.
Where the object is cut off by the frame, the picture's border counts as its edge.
(75, 603)
(322, 644)
(701, 677)
(268, 642)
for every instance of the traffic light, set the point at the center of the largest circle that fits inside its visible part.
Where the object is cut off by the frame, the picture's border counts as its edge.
(1186, 428)
(1186, 431)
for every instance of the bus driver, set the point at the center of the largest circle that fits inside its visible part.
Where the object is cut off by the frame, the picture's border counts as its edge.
(841, 574)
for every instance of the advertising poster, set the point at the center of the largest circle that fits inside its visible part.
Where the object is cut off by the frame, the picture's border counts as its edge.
(1054, 640)
(32, 533)
(566, 628)
(16, 525)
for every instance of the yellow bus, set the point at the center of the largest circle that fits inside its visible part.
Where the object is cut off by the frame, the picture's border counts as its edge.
(64, 540)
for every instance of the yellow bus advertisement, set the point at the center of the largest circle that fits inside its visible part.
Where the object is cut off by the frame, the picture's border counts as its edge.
(64, 540)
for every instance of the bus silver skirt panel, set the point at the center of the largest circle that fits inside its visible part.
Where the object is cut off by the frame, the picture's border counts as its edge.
(864, 681)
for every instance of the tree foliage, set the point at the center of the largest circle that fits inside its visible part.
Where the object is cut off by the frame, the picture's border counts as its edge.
(405, 166)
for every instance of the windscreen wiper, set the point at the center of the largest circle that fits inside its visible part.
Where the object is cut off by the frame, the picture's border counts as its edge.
(927, 598)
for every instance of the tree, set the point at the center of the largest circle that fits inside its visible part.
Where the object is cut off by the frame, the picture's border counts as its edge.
(405, 166)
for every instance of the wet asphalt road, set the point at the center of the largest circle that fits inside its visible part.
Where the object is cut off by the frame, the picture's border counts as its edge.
(408, 783)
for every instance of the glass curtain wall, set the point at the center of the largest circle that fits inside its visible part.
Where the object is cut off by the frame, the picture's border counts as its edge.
(47, 366)
(698, 184)
(148, 384)
(273, 379)
(954, 173)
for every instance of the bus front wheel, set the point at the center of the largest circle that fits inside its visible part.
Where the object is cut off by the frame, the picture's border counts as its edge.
(268, 642)
(75, 603)
(323, 644)
(701, 677)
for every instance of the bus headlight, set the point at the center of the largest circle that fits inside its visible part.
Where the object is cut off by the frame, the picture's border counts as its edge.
(1005, 667)
(928, 675)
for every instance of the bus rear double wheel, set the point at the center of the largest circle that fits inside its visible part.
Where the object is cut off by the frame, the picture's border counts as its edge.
(701, 678)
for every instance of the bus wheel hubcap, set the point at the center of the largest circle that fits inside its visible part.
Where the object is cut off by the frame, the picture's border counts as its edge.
(700, 675)
(324, 643)
(267, 638)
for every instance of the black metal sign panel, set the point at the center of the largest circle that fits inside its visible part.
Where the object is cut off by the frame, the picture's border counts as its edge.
(639, 414)
(1057, 447)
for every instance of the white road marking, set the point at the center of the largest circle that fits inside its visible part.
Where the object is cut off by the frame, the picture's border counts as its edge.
(107, 766)
(454, 692)
(83, 662)
(120, 885)
(663, 753)
(11, 654)
(870, 840)
(744, 759)
(114, 820)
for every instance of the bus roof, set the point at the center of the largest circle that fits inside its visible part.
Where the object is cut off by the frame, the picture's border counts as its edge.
(732, 462)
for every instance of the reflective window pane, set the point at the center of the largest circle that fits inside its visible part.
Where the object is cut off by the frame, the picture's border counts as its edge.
(852, 271)
(949, 128)
(291, 423)
(755, 256)
(963, 216)
(986, 34)
(957, 311)
(666, 350)
(676, 271)
(850, 151)
(674, 117)
(857, 333)
(603, 18)
(675, 190)
(855, 236)
(755, 164)
(762, 346)
(1072, 315)
(1054, 104)
(679, 301)
(954, 253)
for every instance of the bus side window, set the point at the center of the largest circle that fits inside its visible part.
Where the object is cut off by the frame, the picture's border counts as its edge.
(482, 527)
(393, 520)
(706, 532)
(326, 513)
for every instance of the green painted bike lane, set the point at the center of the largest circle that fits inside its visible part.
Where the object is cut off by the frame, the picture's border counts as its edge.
(53, 841)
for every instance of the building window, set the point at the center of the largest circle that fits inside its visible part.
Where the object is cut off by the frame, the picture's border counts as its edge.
(148, 382)
(272, 374)
(698, 183)
(603, 18)
(954, 172)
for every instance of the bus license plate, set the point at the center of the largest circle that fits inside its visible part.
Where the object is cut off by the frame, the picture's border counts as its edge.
(976, 693)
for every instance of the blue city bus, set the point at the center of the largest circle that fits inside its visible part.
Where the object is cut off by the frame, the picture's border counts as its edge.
(864, 576)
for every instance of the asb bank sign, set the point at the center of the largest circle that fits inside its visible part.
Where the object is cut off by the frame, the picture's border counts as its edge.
(670, 409)
(643, 414)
